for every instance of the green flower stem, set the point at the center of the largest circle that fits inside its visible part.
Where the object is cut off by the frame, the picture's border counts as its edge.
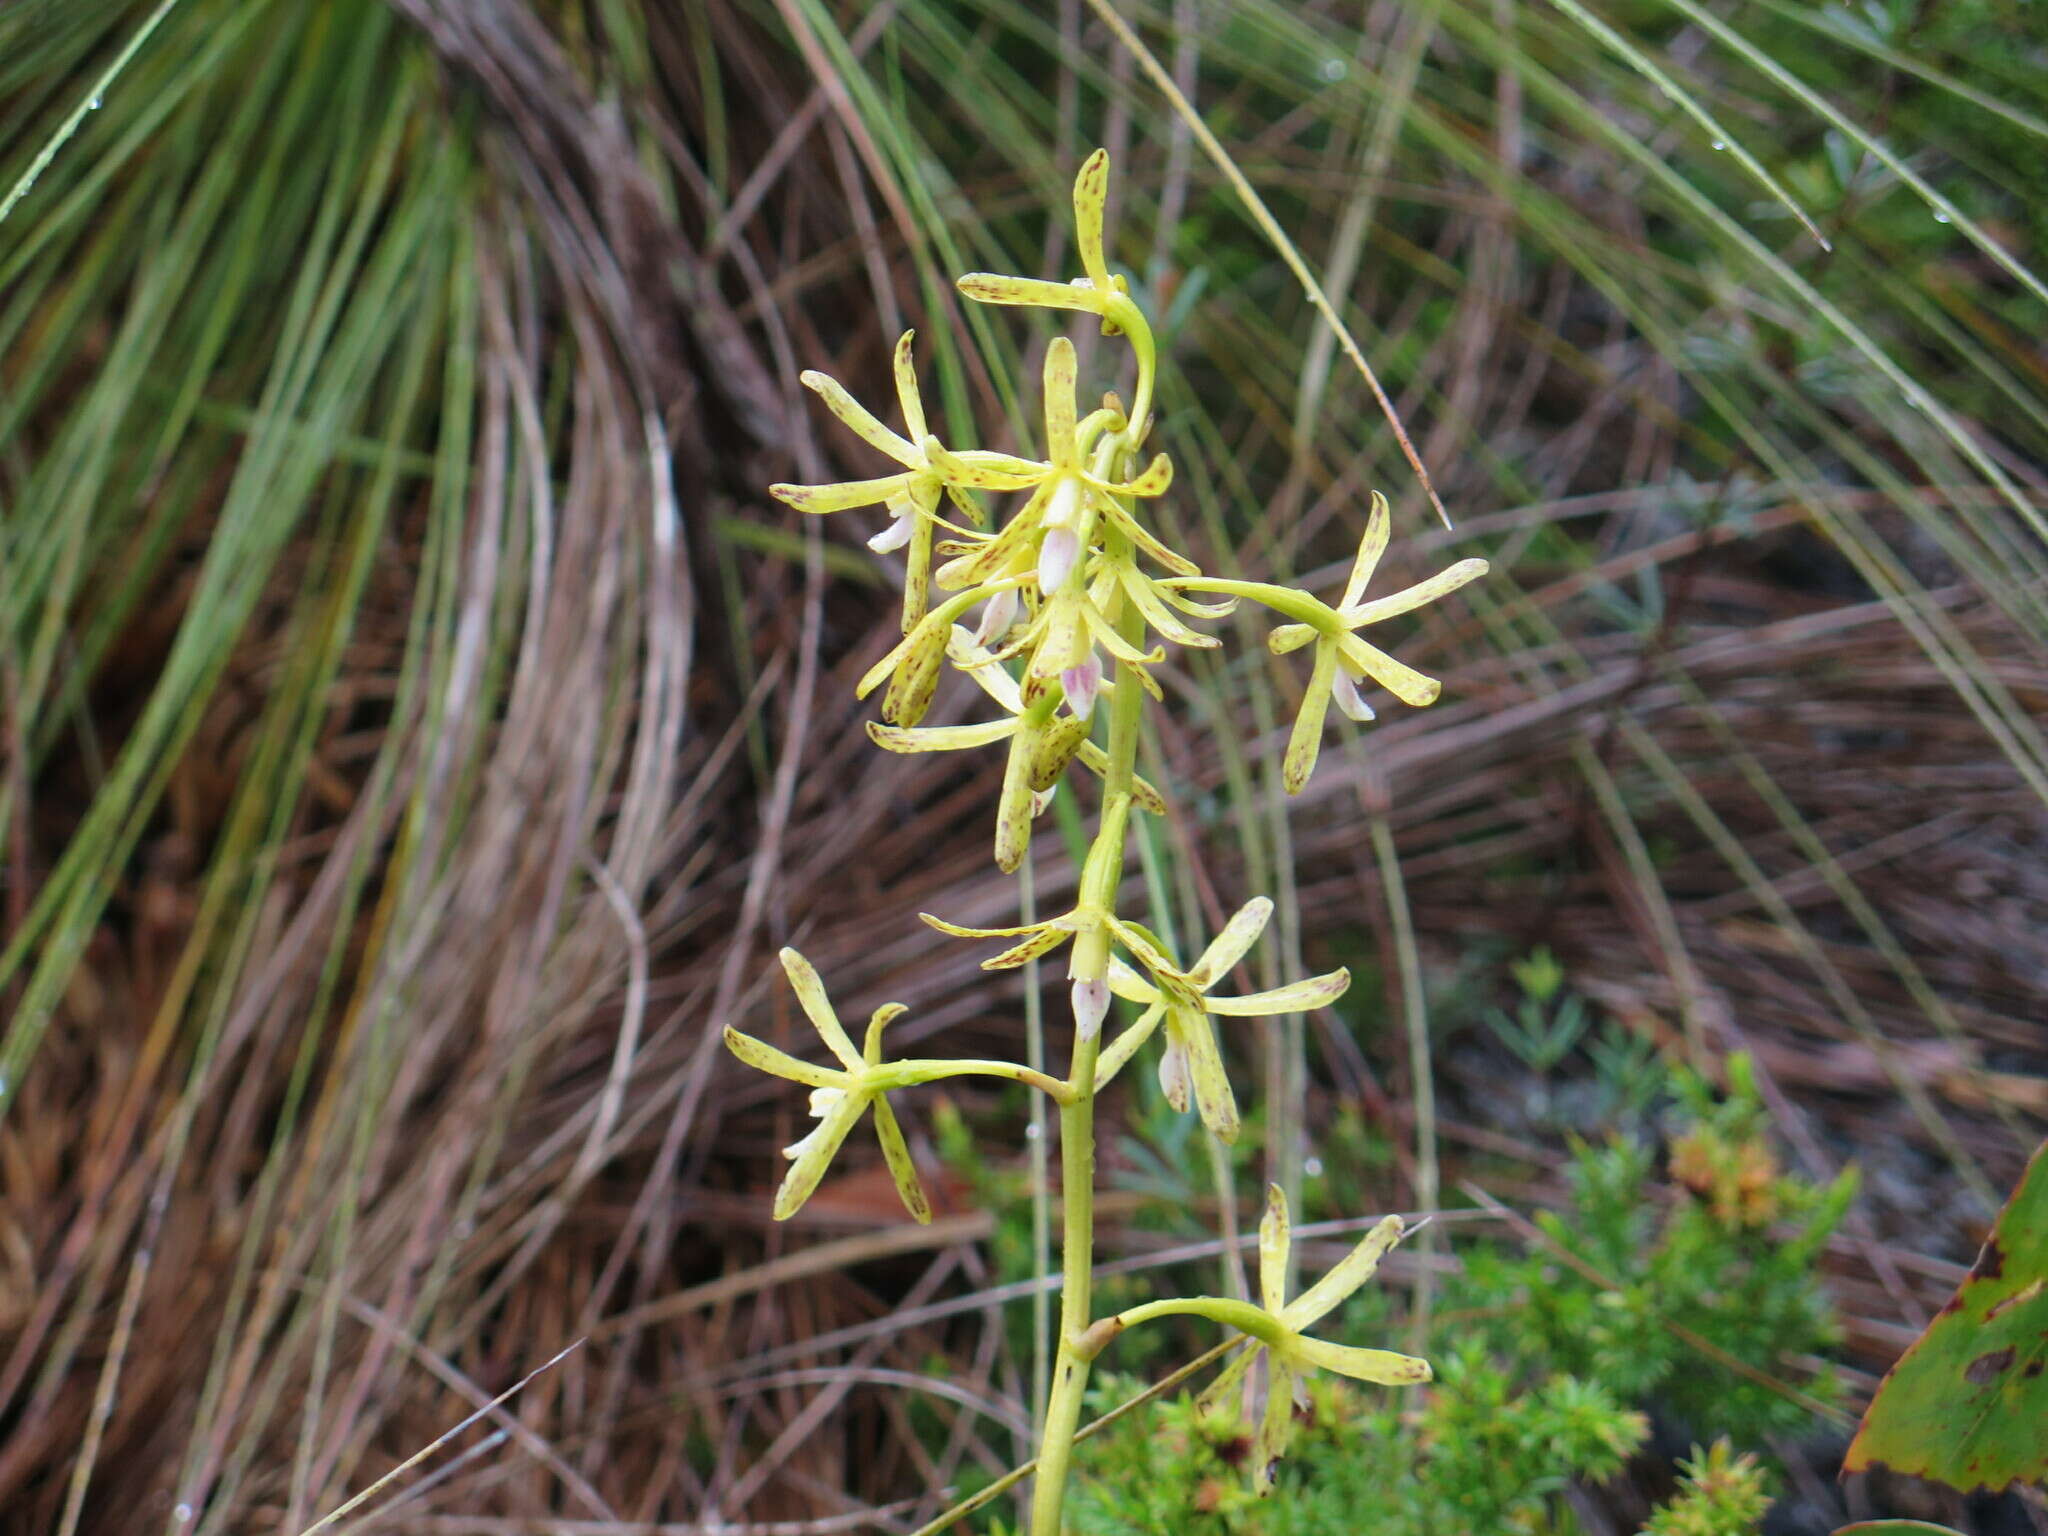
(1252, 1321)
(1103, 872)
(908, 1073)
(1298, 606)
(1122, 312)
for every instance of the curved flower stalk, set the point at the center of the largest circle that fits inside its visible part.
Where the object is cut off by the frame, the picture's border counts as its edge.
(1061, 613)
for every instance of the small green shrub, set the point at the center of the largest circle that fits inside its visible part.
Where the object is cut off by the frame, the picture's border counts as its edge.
(1545, 1376)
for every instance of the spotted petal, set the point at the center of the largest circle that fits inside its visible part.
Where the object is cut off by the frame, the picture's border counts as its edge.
(1350, 1272)
(1213, 1098)
(991, 288)
(764, 1057)
(840, 496)
(1060, 369)
(1274, 1243)
(815, 1152)
(1376, 1365)
(817, 1007)
(1378, 529)
(860, 419)
(897, 1155)
(1229, 946)
(939, 738)
(1117, 1054)
(982, 469)
(1091, 193)
(906, 387)
(1398, 678)
(1305, 742)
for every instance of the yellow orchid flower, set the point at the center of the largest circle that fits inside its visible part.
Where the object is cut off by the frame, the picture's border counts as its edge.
(1342, 660)
(911, 497)
(838, 1098)
(1290, 1353)
(1192, 1059)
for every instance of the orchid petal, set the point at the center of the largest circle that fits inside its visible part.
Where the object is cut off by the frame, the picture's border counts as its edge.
(1229, 946)
(1295, 997)
(815, 1151)
(1274, 1242)
(982, 470)
(861, 420)
(1398, 678)
(1290, 637)
(879, 1020)
(896, 1153)
(1060, 368)
(992, 288)
(817, 1007)
(764, 1057)
(1378, 529)
(1120, 1050)
(1306, 741)
(1218, 1105)
(1376, 1365)
(1276, 1424)
(1091, 193)
(841, 495)
(906, 387)
(1349, 1273)
(939, 738)
(1408, 599)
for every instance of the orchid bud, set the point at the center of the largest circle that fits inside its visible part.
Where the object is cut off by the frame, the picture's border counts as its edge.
(1057, 554)
(998, 614)
(1091, 1007)
(1081, 684)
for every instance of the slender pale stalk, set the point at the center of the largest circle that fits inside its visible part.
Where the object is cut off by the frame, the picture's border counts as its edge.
(1103, 872)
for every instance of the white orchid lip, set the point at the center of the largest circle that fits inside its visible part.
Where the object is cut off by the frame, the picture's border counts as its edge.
(1344, 689)
(998, 614)
(896, 535)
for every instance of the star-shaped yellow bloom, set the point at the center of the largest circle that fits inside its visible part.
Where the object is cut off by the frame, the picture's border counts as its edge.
(912, 497)
(1289, 1352)
(1342, 660)
(1182, 1000)
(838, 1098)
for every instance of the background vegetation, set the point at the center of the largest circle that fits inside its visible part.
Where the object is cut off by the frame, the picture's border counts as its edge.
(419, 728)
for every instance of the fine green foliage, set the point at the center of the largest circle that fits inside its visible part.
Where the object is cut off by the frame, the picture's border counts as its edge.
(1626, 1292)
(1720, 1494)
(1066, 578)
(1967, 1405)
(1543, 1377)
(1483, 1458)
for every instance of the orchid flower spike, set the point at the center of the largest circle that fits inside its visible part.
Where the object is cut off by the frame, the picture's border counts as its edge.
(838, 1097)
